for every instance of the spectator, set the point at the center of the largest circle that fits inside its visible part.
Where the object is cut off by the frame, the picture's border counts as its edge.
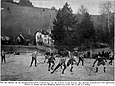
(3, 56)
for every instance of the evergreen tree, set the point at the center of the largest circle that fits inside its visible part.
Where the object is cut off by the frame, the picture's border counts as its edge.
(86, 29)
(62, 25)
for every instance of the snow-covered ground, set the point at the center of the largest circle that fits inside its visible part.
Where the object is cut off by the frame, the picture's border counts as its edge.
(17, 69)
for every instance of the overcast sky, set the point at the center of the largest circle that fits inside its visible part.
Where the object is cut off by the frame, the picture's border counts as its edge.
(91, 5)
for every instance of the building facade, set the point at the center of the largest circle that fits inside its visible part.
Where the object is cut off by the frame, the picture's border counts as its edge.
(43, 38)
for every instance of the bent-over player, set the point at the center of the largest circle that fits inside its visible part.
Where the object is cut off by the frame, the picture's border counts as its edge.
(71, 62)
(60, 64)
(100, 61)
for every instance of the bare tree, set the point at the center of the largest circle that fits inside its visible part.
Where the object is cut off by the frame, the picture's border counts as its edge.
(105, 11)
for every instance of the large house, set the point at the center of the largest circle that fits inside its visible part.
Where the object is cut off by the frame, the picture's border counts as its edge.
(43, 37)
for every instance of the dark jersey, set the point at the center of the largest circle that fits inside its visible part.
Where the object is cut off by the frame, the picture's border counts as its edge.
(47, 53)
(51, 59)
(71, 61)
(75, 53)
(81, 56)
(100, 60)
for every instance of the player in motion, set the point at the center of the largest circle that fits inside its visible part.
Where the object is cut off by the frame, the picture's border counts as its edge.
(60, 64)
(34, 58)
(51, 62)
(100, 61)
(47, 54)
(81, 58)
(111, 57)
(71, 62)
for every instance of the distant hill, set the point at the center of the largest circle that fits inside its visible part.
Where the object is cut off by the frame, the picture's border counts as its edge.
(17, 19)
(22, 19)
